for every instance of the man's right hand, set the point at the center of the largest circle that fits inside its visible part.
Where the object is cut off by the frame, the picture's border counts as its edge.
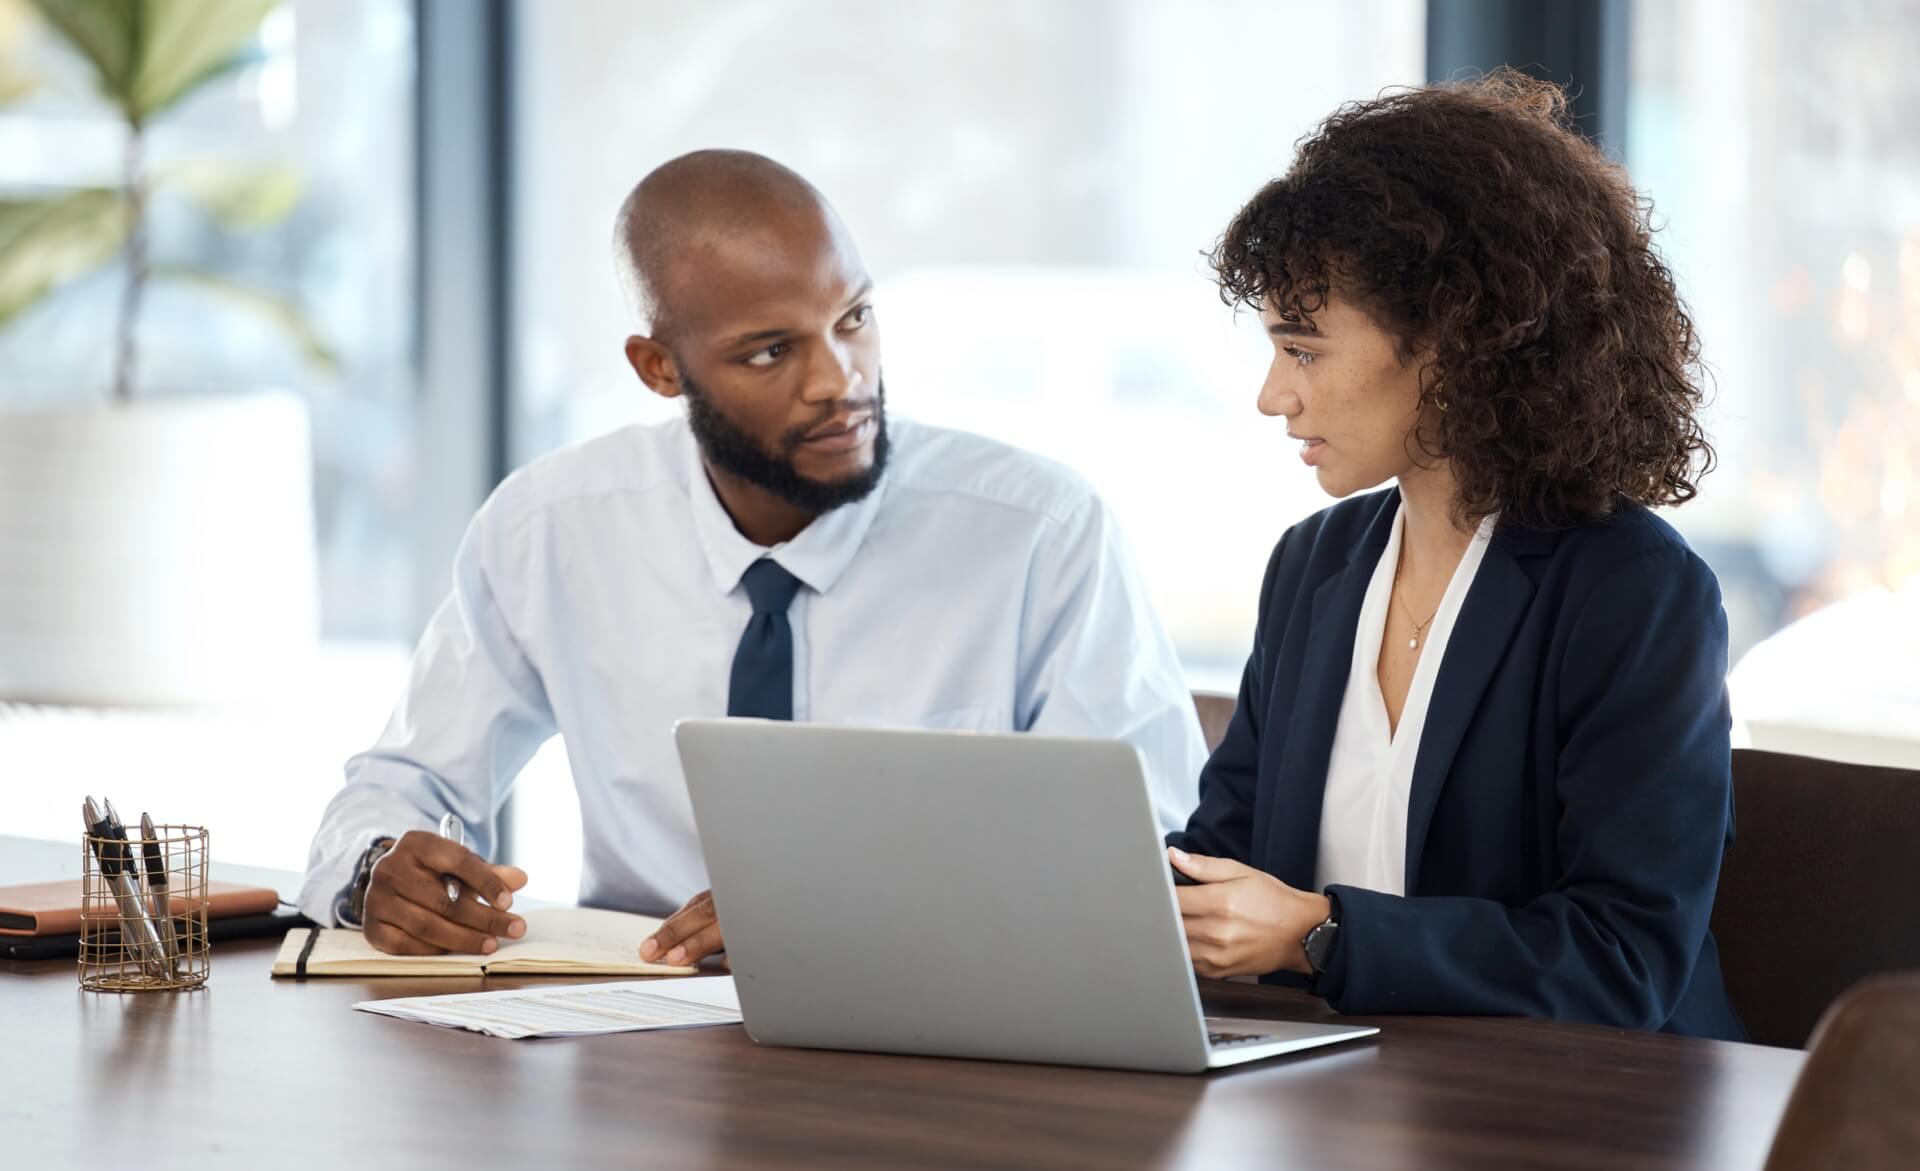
(407, 909)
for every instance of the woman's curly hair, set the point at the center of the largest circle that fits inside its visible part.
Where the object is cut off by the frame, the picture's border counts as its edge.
(1504, 250)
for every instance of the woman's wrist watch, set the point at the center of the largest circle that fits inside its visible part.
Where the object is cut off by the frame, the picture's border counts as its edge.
(1318, 943)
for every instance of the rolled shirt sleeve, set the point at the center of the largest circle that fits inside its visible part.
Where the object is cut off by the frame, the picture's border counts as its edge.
(473, 713)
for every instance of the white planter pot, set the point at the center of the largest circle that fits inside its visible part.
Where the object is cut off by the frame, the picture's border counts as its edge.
(156, 554)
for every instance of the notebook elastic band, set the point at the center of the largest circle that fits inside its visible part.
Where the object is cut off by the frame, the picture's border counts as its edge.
(300, 965)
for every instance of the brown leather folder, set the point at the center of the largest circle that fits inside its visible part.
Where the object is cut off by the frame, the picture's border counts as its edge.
(53, 908)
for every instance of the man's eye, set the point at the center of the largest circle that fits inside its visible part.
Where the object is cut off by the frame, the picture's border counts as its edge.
(768, 356)
(858, 318)
(1303, 357)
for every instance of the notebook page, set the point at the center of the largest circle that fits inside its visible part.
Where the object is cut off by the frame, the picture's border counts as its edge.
(343, 950)
(581, 937)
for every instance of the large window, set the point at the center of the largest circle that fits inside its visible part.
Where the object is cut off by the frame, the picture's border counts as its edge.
(1776, 139)
(326, 102)
(329, 101)
(1032, 186)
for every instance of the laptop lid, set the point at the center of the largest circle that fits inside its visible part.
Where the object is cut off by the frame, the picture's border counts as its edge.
(982, 895)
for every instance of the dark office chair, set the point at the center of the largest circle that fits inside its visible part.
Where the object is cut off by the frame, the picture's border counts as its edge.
(1215, 709)
(1855, 1103)
(1817, 892)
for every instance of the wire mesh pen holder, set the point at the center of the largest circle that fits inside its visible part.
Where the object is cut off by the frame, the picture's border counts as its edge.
(143, 911)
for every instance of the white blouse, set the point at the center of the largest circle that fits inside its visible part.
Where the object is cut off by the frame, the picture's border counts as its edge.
(1363, 817)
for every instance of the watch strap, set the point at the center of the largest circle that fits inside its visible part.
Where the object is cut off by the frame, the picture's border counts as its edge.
(350, 908)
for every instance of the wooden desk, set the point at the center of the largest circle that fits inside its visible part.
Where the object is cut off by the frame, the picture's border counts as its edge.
(257, 1073)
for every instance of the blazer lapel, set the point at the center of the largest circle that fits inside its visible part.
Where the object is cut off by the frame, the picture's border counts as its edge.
(1293, 838)
(1488, 618)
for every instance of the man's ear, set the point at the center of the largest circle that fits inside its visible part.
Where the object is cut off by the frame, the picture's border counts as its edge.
(655, 366)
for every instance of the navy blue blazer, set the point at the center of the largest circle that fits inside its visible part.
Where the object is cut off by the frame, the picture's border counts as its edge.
(1571, 798)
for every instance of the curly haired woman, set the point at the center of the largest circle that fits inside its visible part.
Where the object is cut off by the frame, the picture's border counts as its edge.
(1480, 758)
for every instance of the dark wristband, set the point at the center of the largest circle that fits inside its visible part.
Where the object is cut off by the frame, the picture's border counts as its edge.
(351, 907)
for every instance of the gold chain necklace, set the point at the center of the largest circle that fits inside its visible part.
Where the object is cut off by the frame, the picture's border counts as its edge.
(1419, 628)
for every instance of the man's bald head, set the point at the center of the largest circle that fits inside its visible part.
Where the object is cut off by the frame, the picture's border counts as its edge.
(700, 206)
(756, 310)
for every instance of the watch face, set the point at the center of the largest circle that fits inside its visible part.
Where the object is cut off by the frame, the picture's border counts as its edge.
(1318, 945)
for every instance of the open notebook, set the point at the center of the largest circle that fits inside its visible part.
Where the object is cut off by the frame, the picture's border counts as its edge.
(560, 941)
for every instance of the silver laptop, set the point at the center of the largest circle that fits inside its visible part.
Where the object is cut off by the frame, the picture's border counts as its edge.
(954, 894)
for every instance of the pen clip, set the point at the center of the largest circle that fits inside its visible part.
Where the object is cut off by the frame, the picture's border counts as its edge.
(150, 849)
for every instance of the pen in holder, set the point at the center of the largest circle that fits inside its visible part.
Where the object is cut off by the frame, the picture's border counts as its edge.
(143, 909)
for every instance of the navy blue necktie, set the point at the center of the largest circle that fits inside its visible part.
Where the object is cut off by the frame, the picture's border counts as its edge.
(763, 666)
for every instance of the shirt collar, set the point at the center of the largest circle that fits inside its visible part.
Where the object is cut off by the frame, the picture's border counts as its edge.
(818, 556)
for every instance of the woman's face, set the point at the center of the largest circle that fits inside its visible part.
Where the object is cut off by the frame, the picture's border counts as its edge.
(1339, 383)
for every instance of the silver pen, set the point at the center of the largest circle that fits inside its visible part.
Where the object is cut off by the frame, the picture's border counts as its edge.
(451, 830)
(157, 894)
(130, 866)
(116, 870)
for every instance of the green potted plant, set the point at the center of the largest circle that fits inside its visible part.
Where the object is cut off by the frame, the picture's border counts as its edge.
(155, 549)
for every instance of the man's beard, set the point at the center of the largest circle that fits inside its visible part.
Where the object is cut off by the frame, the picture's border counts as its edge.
(727, 446)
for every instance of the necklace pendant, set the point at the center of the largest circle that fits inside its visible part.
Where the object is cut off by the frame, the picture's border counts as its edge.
(1413, 644)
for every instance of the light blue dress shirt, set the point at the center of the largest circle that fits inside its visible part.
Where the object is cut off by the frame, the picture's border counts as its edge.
(597, 594)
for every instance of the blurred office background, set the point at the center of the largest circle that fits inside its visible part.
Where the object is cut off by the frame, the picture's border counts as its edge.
(1033, 186)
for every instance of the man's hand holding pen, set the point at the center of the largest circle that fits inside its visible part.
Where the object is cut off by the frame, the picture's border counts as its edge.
(408, 911)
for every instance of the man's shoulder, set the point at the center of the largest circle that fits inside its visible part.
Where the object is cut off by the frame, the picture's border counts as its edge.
(634, 460)
(962, 469)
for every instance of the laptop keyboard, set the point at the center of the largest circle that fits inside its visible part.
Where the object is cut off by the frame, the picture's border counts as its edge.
(1227, 1040)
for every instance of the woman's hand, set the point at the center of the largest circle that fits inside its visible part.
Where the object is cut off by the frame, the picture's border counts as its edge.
(1241, 921)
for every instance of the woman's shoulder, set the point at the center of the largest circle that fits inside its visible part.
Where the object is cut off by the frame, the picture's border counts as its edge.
(1630, 535)
(1322, 545)
(1631, 560)
(1632, 542)
(1339, 531)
